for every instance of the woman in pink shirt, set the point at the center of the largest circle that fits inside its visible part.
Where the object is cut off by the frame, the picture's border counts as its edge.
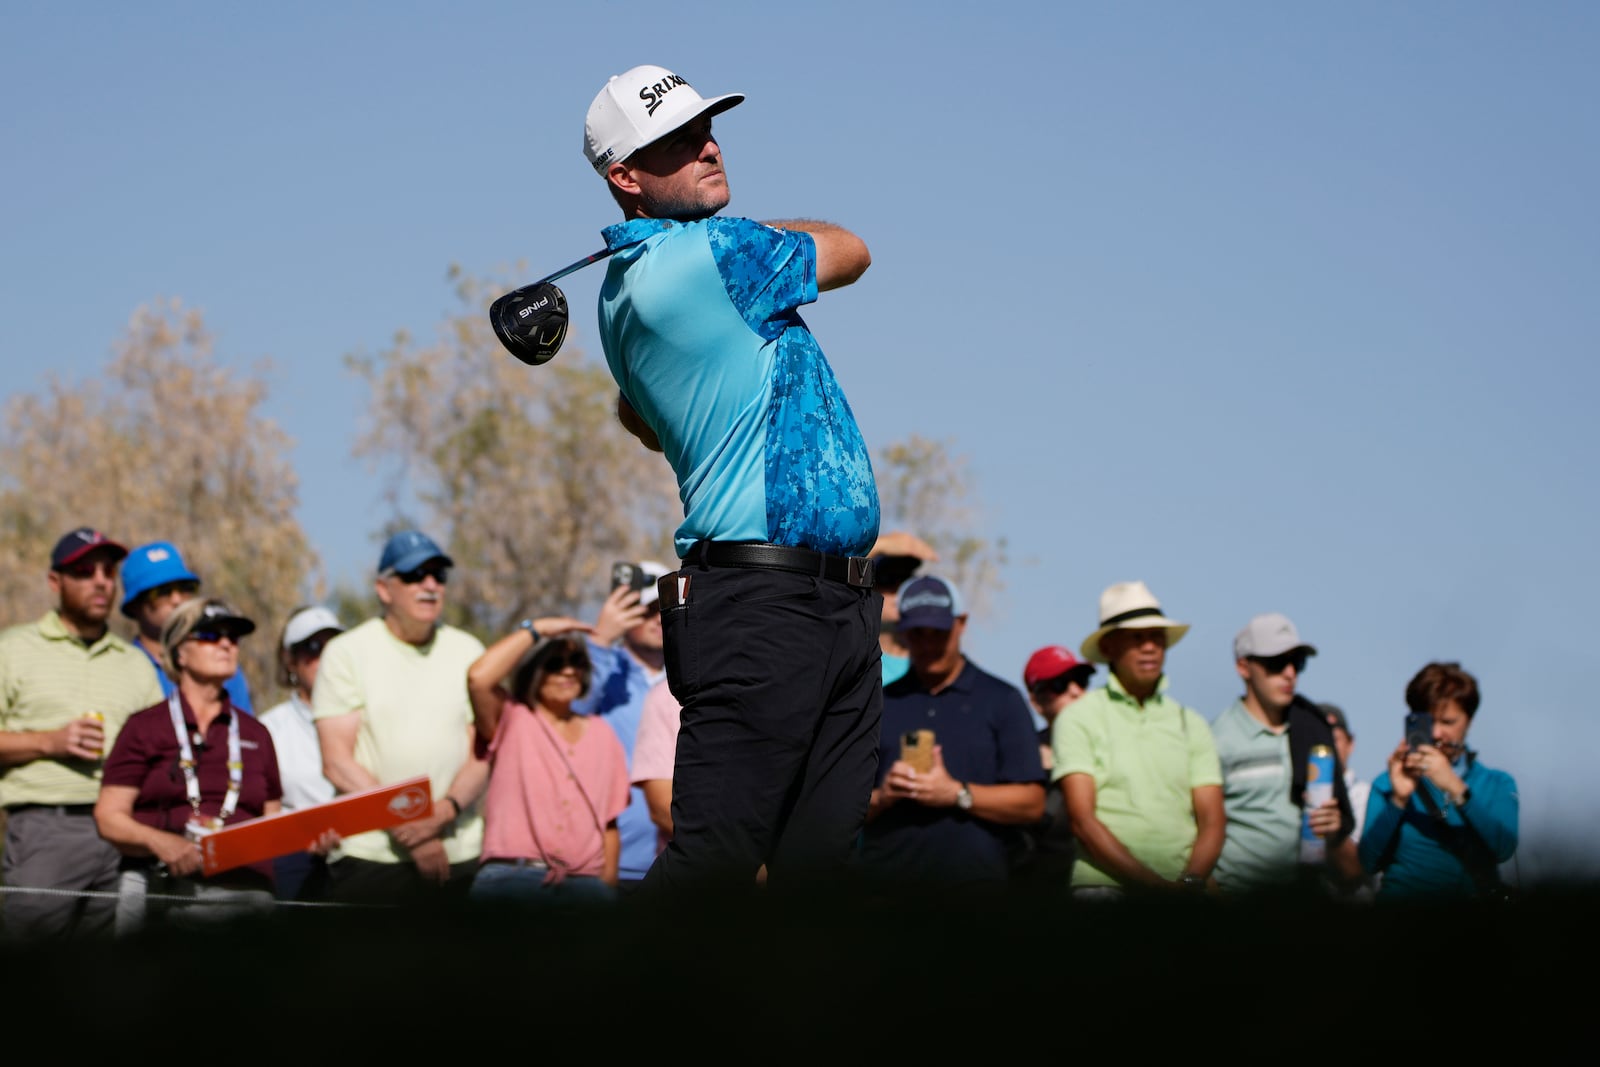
(557, 780)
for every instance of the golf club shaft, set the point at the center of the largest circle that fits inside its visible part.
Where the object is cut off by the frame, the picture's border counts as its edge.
(584, 262)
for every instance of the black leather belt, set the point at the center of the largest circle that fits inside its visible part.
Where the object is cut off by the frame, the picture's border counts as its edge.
(59, 809)
(852, 570)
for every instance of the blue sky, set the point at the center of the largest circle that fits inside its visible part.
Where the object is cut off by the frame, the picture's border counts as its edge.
(1276, 307)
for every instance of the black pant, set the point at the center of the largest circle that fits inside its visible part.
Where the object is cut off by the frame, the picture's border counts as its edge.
(357, 881)
(780, 679)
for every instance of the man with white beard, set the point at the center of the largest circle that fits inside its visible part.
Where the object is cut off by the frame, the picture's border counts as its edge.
(390, 703)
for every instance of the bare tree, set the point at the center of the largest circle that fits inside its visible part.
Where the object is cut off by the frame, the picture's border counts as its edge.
(926, 490)
(166, 445)
(522, 473)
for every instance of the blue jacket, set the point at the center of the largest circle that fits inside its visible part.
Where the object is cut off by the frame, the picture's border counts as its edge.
(1410, 847)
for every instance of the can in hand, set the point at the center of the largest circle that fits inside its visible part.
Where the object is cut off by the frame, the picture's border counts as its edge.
(101, 719)
(1319, 790)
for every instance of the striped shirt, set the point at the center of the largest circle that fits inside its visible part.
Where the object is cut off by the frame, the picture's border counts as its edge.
(48, 677)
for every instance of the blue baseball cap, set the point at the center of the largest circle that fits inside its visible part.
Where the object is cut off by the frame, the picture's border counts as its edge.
(929, 602)
(408, 550)
(149, 566)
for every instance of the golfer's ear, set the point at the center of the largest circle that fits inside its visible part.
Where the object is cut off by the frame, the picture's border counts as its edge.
(619, 175)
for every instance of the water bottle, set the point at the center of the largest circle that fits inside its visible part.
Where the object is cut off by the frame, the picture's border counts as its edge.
(1319, 788)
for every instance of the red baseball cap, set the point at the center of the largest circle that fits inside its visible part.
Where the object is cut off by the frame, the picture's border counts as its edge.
(1052, 661)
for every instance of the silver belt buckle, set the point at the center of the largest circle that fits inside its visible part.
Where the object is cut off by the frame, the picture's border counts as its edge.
(859, 571)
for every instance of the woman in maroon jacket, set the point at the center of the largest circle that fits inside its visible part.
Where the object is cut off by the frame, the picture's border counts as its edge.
(184, 768)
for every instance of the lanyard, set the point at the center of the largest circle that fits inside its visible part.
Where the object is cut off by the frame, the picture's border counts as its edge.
(191, 780)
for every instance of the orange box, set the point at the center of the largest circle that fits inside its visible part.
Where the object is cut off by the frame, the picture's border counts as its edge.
(272, 836)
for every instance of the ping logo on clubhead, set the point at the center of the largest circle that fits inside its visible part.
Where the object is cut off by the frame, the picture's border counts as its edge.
(529, 309)
(411, 802)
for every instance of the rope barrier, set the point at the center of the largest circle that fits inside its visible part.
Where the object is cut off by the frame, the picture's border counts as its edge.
(100, 894)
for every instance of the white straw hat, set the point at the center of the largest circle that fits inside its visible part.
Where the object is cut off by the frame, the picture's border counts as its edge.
(1129, 606)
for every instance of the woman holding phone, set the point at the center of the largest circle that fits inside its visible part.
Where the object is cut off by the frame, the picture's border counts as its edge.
(1439, 823)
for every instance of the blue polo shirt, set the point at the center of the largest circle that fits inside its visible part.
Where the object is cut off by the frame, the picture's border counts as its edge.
(985, 734)
(701, 329)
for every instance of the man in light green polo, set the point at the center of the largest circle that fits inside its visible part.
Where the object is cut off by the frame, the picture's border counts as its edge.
(1139, 770)
(67, 684)
(1264, 740)
(390, 703)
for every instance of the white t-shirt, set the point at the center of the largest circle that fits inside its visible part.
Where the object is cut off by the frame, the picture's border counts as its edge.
(415, 719)
(294, 735)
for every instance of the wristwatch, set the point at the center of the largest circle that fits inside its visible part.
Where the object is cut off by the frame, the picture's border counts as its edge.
(1192, 881)
(964, 798)
(527, 624)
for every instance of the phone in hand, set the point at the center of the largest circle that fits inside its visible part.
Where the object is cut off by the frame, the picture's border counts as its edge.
(1419, 729)
(916, 748)
(629, 575)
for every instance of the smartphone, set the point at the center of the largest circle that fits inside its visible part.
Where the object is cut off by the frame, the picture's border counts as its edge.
(916, 748)
(1419, 729)
(630, 575)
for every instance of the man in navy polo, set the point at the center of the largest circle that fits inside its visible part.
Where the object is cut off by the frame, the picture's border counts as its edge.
(949, 827)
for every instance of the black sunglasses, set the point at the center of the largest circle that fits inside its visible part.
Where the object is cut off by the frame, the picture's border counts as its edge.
(84, 571)
(1276, 664)
(1056, 686)
(311, 647)
(211, 637)
(417, 574)
(557, 664)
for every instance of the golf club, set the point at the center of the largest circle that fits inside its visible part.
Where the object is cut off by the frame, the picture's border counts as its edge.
(532, 321)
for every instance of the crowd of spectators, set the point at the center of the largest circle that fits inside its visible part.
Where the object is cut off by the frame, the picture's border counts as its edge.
(550, 755)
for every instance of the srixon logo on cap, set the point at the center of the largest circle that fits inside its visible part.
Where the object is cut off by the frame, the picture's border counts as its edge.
(652, 94)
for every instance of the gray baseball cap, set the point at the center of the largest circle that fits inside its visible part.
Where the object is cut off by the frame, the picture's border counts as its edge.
(1269, 635)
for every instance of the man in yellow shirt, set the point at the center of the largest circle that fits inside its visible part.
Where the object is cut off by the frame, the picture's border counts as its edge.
(390, 703)
(67, 684)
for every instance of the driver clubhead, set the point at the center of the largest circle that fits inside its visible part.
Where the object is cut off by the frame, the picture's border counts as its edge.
(531, 322)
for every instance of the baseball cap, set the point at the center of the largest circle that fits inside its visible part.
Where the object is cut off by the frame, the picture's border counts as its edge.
(653, 571)
(308, 622)
(929, 602)
(408, 550)
(75, 545)
(1335, 716)
(1052, 661)
(1268, 635)
(148, 566)
(197, 615)
(640, 106)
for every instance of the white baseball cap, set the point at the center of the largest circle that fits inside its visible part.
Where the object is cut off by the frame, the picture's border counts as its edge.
(308, 622)
(640, 106)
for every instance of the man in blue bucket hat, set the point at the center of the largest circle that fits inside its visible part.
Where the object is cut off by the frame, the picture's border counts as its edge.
(155, 580)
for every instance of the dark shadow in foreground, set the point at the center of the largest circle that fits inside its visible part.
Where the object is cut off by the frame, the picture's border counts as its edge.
(842, 975)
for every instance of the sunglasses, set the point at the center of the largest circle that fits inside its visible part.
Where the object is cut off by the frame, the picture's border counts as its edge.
(311, 647)
(557, 664)
(84, 571)
(161, 592)
(417, 574)
(1276, 664)
(212, 637)
(1056, 686)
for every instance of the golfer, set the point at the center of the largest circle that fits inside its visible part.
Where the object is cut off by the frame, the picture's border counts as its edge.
(771, 625)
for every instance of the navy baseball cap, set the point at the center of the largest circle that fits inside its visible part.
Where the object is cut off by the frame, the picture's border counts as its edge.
(408, 550)
(79, 543)
(930, 603)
